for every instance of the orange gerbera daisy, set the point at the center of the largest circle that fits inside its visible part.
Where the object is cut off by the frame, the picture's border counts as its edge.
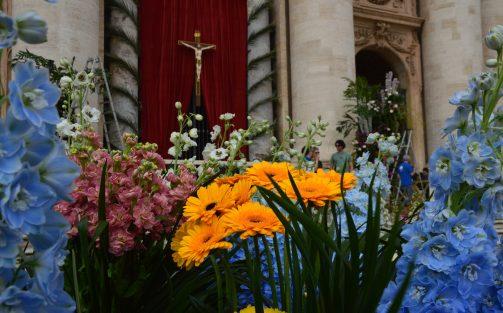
(242, 192)
(251, 219)
(229, 180)
(177, 239)
(211, 201)
(315, 189)
(349, 180)
(198, 241)
(259, 172)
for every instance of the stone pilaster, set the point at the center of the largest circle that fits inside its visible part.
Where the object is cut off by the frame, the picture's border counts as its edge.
(282, 82)
(126, 107)
(492, 14)
(322, 53)
(75, 28)
(261, 46)
(451, 53)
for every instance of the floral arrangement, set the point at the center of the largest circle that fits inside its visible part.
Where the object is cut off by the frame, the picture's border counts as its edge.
(456, 253)
(35, 173)
(139, 201)
(75, 85)
(373, 112)
(230, 213)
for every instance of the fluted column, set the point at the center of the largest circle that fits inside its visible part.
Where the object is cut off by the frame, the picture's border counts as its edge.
(322, 53)
(75, 28)
(492, 14)
(452, 51)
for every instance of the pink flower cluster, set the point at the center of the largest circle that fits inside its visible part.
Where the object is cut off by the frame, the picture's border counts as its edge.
(140, 202)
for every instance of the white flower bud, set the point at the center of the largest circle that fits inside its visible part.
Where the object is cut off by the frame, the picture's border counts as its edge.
(180, 118)
(178, 105)
(189, 122)
(199, 117)
(491, 63)
(193, 133)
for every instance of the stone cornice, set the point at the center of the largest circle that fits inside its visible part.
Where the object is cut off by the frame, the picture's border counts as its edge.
(389, 17)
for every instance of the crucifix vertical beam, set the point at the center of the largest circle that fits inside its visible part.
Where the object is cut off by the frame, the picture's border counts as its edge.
(198, 48)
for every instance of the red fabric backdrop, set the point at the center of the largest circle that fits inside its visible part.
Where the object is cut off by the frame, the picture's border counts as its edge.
(167, 69)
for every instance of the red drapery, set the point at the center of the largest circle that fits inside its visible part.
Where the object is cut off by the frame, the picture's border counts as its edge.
(167, 69)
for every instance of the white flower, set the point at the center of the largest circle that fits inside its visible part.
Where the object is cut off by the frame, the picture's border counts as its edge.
(216, 132)
(193, 133)
(173, 152)
(178, 105)
(372, 137)
(236, 135)
(391, 111)
(391, 139)
(207, 150)
(65, 128)
(393, 150)
(64, 62)
(81, 79)
(218, 154)
(395, 106)
(199, 117)
(65, 82)
(91, 114)
(227, 116)
(187, 142)
(174, 137)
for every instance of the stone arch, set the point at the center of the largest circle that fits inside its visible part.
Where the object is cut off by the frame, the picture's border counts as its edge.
(399, 46)
(390, 57)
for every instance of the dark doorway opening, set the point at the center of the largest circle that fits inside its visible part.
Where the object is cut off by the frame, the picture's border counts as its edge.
(373, 67)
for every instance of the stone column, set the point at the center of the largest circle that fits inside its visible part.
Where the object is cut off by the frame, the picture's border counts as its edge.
(451, 53)
(322, 53)
(261, 46)
(75, 28)
(492, 15)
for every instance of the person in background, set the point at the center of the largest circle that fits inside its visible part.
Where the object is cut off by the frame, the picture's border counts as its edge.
(313, 155)
(405, 170)
(341, 160)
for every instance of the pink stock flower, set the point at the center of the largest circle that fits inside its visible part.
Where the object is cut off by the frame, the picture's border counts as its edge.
(139, 201)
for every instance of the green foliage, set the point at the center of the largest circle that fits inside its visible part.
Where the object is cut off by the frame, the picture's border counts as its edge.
(324, 272)
(144, 280)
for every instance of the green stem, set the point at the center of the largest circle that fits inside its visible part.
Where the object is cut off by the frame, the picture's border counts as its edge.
(270, 271)
(219, 284)
(76, 283)
(251, 272)
(259, 306)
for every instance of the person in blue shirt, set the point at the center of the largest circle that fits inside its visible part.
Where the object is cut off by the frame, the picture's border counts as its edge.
(405, 170)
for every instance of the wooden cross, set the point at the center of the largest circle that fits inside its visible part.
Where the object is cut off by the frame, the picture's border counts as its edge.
(198, 48)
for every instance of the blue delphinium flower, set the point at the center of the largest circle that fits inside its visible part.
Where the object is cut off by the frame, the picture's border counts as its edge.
(473, 147)
(31, 28)
(25, 201)
(32, 96)
(11, 151)
(474, 273)
(492, 201)
(446, 170)
(482, 172)
(461, 230)
(8, 33)
(9, 246)
(59, 172)
(457, 120)
(438, 254)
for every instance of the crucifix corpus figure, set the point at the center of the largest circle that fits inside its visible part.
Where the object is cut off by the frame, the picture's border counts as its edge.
(198, 48)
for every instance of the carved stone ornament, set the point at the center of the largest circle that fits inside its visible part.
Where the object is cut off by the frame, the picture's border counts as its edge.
(379, 2)
(382, 36)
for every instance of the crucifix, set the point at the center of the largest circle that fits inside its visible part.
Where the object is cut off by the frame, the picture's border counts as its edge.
(198, 48)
